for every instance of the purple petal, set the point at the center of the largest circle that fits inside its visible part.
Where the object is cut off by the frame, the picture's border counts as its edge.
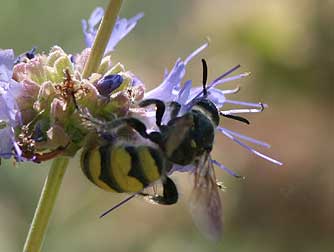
(9, 89)
(121, 29)
(233, 78)
(9, 111)
(164, 91)
(184, 93)
(89, 28)
(168, 89)
(88, 35)
(8, 108)
(95, 17)
(229, 171)
(215, 95)
(231, 91)
(195, 53)
(241, 111)
(213, 83)
(249, 104)
(228, 72)
(182, 168)
(250, 148)
(246, 138)
(6, 67)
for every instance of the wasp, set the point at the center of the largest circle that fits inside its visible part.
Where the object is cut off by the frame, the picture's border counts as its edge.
(187, 139)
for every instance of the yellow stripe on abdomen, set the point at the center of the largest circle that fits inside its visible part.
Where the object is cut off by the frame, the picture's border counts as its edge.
(120, 163)
(148, 164)
(91, 165)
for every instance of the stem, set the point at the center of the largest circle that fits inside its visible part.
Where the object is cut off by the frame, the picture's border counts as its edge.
(45, 205)
(102, 37)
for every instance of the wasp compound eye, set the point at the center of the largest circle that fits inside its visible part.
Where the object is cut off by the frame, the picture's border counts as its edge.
(109, 83)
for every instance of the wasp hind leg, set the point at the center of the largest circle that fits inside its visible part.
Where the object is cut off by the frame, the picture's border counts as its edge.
(168, 197)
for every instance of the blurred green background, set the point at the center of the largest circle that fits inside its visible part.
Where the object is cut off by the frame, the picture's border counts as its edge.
(288, 47)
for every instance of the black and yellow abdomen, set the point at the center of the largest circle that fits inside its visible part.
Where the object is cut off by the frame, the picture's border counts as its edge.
(122, 168)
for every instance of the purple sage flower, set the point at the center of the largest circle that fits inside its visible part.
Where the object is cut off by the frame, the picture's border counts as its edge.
(122, 27)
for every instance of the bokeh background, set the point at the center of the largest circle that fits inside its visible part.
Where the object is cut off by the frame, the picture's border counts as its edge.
(288, 47)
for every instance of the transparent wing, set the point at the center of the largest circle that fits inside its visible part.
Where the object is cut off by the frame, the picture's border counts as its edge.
(205, 204)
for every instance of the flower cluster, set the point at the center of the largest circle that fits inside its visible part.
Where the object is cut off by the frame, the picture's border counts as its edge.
(41, 93)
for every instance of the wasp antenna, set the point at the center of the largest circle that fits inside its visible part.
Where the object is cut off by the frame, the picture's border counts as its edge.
(224, 168)
(234, 117)
(205, 76)
(117, 205)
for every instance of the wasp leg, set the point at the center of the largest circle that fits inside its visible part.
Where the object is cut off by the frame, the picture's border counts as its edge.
(141, 129)
(169, 196)
(118, 205)
(160, 108)
(176, 107)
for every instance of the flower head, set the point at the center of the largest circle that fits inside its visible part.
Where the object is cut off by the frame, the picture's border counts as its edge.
(39, 94)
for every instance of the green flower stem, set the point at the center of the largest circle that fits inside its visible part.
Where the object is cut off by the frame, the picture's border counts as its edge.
(102, 37)
(45, 205)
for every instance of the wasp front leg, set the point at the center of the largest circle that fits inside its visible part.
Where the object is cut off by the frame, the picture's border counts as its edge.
(160, 105)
